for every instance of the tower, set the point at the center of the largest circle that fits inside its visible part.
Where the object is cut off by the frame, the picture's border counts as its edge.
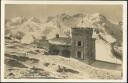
(83, 45)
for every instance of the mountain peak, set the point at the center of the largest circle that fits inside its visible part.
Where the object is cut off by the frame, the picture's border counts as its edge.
(16, 21)
(99, 16)
(34, 19)
(78, 15)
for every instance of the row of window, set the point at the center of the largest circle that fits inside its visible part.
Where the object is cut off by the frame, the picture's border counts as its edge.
(79, 53)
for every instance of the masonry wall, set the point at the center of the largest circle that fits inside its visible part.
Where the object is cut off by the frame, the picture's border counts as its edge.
(43, 44)
(62, 50)
(87, 48)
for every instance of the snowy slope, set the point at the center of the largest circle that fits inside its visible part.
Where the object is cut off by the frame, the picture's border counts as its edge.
(40, 66)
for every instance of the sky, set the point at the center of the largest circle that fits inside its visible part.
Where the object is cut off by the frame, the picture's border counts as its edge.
(114, 12)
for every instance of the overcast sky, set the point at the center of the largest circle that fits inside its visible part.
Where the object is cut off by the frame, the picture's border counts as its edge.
(113, 12)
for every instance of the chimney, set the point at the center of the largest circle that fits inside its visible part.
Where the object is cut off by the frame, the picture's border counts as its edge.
(57, 35)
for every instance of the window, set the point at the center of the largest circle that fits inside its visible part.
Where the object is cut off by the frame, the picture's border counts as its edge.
(78, 54)
(79, 43)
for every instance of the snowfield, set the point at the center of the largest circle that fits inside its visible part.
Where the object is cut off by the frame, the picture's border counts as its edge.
(27, 61)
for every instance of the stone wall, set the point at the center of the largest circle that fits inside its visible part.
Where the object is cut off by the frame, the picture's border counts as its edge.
(61, 50)
(87, 47)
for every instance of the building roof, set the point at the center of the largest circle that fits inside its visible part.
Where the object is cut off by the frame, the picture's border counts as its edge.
(61, 41)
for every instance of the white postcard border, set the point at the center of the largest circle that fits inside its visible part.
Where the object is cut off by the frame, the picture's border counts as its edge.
(124, 3)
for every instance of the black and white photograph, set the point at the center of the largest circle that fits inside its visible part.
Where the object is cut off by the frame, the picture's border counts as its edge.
(64, 41)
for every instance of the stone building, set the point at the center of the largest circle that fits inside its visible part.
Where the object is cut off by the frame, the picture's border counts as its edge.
(60, 46)
(83, 45)
(80, 46)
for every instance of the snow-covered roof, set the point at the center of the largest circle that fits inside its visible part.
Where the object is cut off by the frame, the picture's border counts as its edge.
(60, 41)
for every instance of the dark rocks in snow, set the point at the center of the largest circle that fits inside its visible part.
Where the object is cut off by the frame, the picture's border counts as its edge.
(65, 69)
(15, 63)
(22, 58)
(46, 64)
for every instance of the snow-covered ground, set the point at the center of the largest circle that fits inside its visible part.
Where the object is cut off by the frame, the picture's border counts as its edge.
(27, 61)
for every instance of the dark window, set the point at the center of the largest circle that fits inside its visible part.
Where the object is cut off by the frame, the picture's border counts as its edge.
(79, 54)
(79, 43)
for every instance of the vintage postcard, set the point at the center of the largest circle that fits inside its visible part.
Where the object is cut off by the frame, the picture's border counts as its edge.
(65, 41)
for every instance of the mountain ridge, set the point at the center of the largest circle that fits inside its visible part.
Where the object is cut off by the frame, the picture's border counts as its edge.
(62, 24)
